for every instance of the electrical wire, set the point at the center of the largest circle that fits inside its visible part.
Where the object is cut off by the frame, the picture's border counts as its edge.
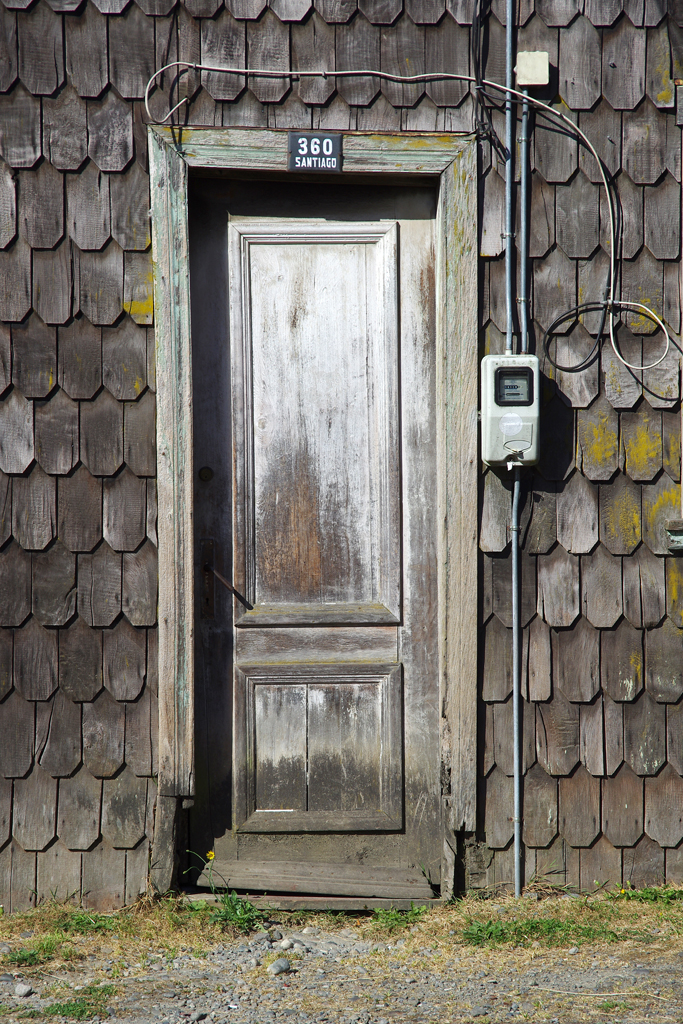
(484, 127)
(481, 85)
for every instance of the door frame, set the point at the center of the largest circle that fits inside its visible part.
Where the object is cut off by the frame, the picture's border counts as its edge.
(451, 161)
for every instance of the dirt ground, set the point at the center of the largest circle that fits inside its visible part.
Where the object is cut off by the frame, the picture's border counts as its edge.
(548, 957)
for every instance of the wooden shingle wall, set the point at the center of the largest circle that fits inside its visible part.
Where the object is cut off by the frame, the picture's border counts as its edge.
(602, 600)
(77, 483)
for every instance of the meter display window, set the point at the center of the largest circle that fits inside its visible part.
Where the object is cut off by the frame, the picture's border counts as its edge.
(514, 386)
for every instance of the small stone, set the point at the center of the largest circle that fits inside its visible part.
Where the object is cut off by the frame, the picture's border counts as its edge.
(261, 937)
(286, 944)
(574, 949)
(276, 934)
(310, 931)
(198, 1015)
(481, 1011)
(280, 966)
(22, 990)
(4, 949)
(7, 978)
(26, 935)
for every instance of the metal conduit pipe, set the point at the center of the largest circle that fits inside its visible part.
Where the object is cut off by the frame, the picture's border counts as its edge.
(514, 525)
(516, 688)
(509, 175)
(524, 227)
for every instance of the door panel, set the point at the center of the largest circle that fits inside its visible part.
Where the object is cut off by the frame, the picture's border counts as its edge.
(325, 777)
(318, 749)
(314, 324)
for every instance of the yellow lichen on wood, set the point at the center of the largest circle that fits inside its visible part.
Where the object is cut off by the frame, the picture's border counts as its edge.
(597, 440)
(661, 501)
(612, 378)
(622, 518)
(641, 436)
(138, 288)
(633, 684)
(671, 444)
(674, 590)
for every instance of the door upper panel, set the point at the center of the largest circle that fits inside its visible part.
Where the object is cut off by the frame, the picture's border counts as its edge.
(315, 344)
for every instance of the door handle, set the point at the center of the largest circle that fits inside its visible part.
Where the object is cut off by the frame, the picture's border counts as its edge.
(207, 567)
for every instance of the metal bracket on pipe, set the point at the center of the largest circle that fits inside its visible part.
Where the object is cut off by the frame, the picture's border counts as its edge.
(673, 528)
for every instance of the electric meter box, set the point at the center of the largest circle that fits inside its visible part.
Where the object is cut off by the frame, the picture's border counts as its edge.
(510, 387)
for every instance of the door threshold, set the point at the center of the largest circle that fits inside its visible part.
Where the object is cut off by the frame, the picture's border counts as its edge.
(323, 902)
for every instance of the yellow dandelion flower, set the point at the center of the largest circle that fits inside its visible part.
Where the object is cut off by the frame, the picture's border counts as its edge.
(210, 855)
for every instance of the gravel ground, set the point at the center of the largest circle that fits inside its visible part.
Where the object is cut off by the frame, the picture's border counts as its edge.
(342, 978)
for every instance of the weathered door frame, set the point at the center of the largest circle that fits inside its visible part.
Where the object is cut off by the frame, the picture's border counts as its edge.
(450, 159)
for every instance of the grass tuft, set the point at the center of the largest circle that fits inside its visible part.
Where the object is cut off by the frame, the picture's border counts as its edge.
(392, 920)
(613, 1004)
(81, 922)
(89, 1003)
(551, 931)
(232, 911)
(649, 894)
(39, 952)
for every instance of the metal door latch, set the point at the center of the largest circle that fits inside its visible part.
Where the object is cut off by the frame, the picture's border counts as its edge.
(208, 572)
(207, 567)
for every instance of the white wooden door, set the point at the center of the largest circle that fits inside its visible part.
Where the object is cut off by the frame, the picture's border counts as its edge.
(334, 744)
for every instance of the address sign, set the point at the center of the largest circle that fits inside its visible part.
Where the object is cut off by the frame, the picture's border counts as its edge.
(314, 151)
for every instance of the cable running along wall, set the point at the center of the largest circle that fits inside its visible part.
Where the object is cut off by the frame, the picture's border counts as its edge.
(610, 304)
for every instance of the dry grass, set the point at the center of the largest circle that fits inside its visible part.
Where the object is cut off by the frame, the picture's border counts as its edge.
(536, 931)
(477, 926)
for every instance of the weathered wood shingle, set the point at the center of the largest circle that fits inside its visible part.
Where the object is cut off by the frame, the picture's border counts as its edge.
(79, 510)
(102, 434)
(35, 661)
(103, 735)
(124, 660)
(54, 585)
(56, 433)
(99, 586)
(80, 661)
(34, 513)
(58, 749)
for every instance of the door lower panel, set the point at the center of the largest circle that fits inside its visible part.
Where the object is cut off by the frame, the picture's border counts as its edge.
(318, 748)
